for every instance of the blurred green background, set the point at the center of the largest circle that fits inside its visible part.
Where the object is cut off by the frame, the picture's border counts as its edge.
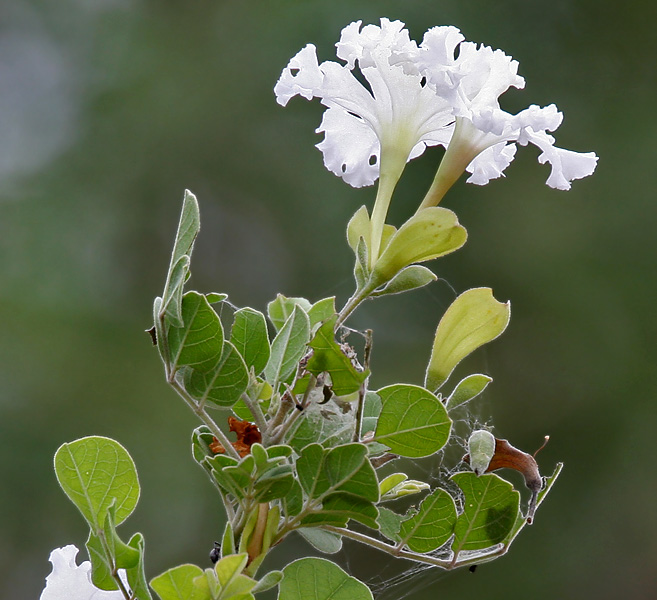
(109, 109)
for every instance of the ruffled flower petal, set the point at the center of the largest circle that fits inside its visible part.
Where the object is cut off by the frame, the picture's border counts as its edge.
(403, 115)
(473, 81)
(350, 147)
(443, 92)
(68, 581)
(490, 163)
(301, 77)
(566, 164)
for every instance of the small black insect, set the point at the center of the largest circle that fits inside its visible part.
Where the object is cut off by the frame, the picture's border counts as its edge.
(215, 553)
(472, 568)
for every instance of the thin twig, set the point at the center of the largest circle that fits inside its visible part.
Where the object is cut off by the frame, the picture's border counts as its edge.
(277, 435)
(362, 391)
(256, 412)
(414, 556)
(206, 418)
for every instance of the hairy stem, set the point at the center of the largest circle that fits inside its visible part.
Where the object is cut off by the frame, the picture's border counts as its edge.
(277, 435)
(256, 412)
(415, 556)
(200, 412)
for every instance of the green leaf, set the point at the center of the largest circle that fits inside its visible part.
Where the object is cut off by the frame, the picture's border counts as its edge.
(341, 469)
(94, 472)
(343, 480)
(371, 412)
(224, 384)
(397, 485)
(432, 525)
(136, 574)
(348, 470)
(199, 342)
(123, 555)
(230, 567)
(361, 266)
(268, 581)
(101, 572)
(324, 541)
(279, 450)
(413, 422)
(280, 309)
(173, 292)
(309, 467)
(215, 297)
(490, 509)
(391, 481)
(473, 319)
(338, 508)
(188, 229)
(321, 311)
(410, 278)
(288, 347)
(466, 390)
(428, 234)
(329, 358)
(359, 227)
(274, 483)
(249, 336)
(178, 584)
(293, 502)
(228, 540)
(320, 579)
(109, 552)
(389, 523)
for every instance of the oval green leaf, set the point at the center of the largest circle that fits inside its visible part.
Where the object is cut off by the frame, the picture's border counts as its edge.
(178, 584)
(410, 278)
(249, 336)
(95, 472)
(473, 319)
(413, 422)
(432, 525)
(320, 579)
(224, 384)
(467, 389)
(431, 233)
(288, 347)
(490, 509)
(199, 342)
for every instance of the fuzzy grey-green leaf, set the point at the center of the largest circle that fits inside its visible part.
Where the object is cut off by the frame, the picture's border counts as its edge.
(249, 336)
(199, 342)
(288, 347)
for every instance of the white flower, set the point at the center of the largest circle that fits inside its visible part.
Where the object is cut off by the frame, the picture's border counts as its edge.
(484, 134)
(368, 131)
(68, 581)
(443, 92)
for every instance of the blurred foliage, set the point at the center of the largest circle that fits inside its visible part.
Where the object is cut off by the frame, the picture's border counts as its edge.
(109, 109)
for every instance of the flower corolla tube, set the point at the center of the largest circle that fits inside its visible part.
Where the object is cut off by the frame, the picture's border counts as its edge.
(69, 581)
(444, 91)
